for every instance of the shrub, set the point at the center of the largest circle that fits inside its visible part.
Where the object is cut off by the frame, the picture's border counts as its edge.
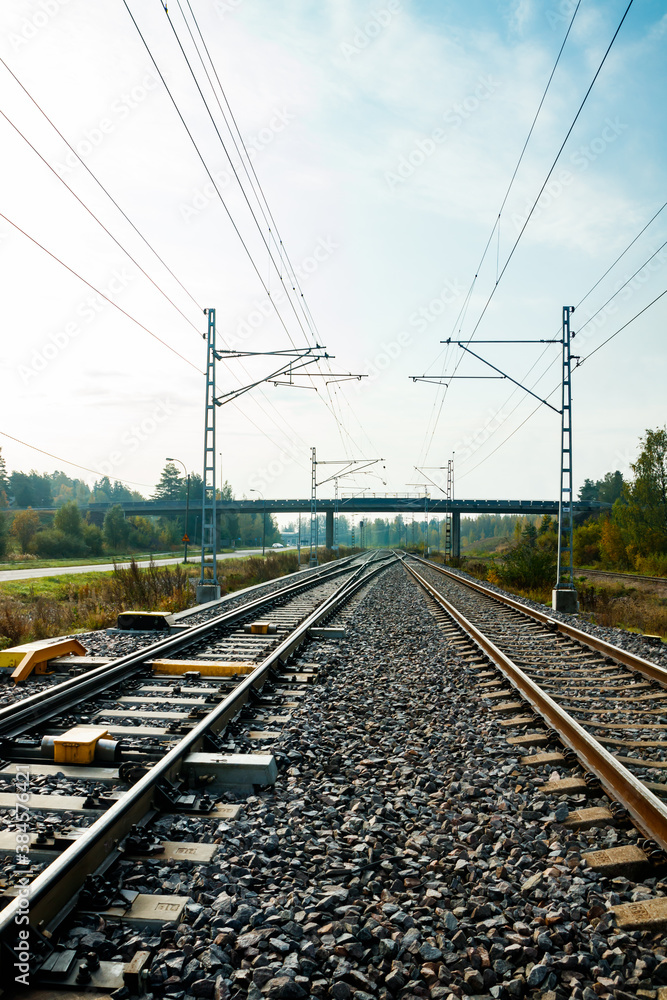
(54, 543)
(527, 565)
(94, 538)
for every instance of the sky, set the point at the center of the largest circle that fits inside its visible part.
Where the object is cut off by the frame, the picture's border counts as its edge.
(385, 140)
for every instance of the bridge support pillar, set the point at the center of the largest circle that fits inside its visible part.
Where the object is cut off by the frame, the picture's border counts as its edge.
(328, 529)
(456, 534)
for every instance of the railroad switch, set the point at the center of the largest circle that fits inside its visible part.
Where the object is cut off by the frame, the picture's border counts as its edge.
(81, 745)
(261, 628)
(144, 621)
(34, 656)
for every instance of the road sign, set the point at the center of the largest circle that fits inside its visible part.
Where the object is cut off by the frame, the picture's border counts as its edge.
(185, 538)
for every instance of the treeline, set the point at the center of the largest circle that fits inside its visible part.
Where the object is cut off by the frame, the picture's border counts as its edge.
(633, 535)
(53, 489)
(71, 532)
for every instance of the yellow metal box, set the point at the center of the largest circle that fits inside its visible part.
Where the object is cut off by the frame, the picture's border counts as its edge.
(77, 745)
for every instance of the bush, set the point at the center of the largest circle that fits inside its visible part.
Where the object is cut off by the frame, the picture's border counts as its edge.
(94, 538)
(4, 532)
(527, 565)
(54, 543)
(653, 565)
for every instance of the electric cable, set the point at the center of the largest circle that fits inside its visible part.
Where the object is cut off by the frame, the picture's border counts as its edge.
(466, 302)
(99, 183)
(551, 170)
(267, 215)
(75, 465)
(102, 295)
(591, 318)
(99, 221)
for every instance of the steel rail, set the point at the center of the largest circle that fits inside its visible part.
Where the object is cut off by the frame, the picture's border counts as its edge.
(647, 811)
(37, 709)
(54, 888)
(650, 670)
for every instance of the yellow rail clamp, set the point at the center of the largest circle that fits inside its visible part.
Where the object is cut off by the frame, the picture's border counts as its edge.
(77, 745)
(261, 628)
(206, 668)
(35, 655)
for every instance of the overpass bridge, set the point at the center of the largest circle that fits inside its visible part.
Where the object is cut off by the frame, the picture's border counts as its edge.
(378, 503)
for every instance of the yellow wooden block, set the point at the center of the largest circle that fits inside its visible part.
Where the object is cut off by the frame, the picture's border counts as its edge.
(77, 745)
(34, 655)
(207, 668)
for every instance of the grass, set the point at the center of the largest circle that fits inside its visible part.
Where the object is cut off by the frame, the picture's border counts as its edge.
(624, 607)
(59, 605)
(32, 562)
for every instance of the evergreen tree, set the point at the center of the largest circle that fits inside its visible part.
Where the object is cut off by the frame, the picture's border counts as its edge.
(4, 482)
(171, 485)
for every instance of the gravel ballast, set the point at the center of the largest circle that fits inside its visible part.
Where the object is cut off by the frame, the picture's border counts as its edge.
(404, 850)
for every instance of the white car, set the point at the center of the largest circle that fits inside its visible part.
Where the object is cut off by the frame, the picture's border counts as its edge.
(277, 545)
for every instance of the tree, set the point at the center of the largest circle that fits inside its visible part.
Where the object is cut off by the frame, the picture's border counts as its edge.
(93, 537)
(4, 531)
(586, 542)
(643, 516)
(30, 489)
(25, 526)
(610, 487)
(171, 485)
(102, 491)
(4, 483)
(116, 529)
(589, 491)
(68, 520)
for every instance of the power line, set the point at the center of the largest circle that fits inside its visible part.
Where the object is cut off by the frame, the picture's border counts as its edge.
(620, 329)
(205, 165)
(551, 170)
(262, 202)
(555, 389)
(99, 221)
(464, 308)
(75, 465)
(99, 183)
(101, 294)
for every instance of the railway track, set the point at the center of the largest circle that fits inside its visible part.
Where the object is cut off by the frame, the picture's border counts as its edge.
(155, 741)
(587, 701)
(602, 574)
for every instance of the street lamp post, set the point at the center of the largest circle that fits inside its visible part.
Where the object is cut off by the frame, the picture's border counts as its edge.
(263, 519)
(187, 506)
